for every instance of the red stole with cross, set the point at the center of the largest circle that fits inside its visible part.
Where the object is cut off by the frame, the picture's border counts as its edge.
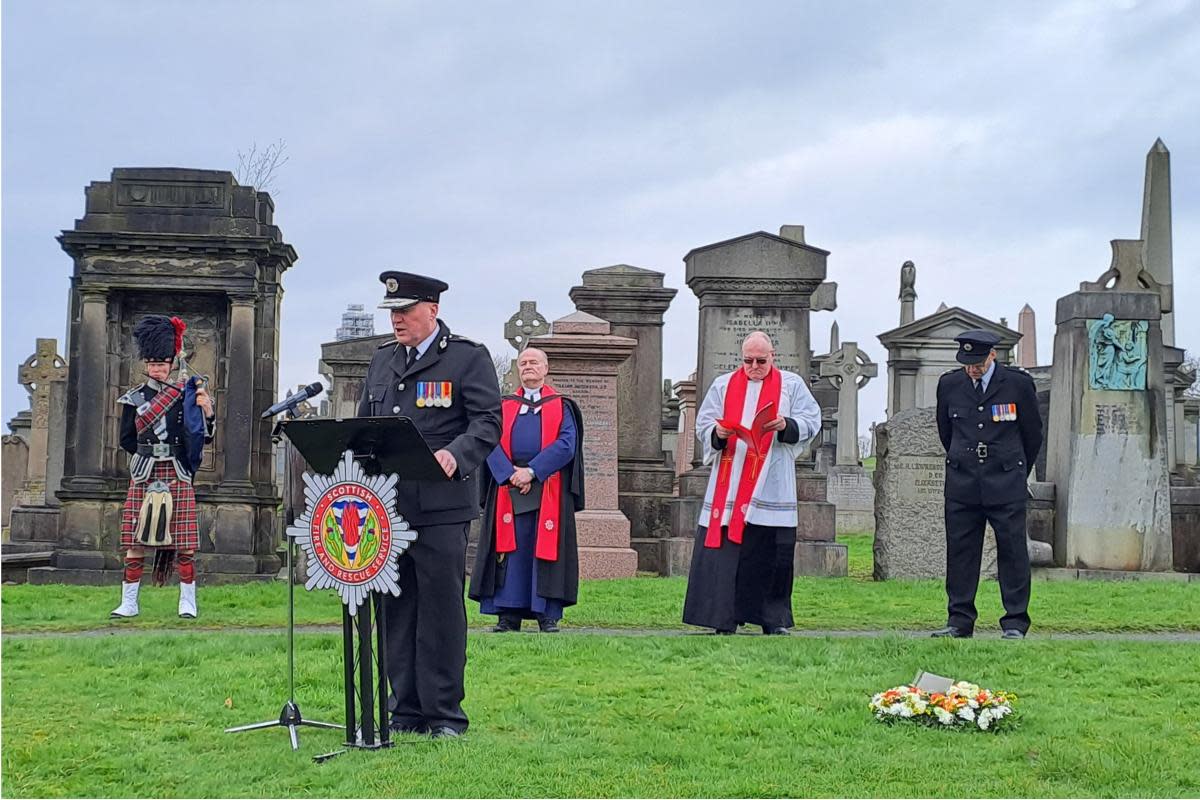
(548, 513)
(758, 448)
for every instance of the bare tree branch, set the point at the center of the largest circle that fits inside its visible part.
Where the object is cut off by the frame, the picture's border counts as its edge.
(260, 168)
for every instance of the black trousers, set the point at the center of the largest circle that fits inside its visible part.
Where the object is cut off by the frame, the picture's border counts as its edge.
(965, 523)
(750, 582)
(427, 630)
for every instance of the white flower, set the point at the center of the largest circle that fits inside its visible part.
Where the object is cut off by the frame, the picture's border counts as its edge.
(943, 716)
(966, 713)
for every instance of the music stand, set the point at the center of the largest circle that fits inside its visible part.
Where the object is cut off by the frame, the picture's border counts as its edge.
(381, 445)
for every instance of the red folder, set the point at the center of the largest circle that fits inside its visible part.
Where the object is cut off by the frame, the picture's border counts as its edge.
(756, 439)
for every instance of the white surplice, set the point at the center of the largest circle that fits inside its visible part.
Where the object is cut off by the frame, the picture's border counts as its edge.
(774, 499)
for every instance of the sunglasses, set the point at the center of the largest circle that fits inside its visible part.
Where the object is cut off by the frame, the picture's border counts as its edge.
(752, 361)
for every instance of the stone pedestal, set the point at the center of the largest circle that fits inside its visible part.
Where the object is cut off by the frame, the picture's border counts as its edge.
(195, 244)
(633, 300)
(584, 361)
(1107, 451)
(770, 283)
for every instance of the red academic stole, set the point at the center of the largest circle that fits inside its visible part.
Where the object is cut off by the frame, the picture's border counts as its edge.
(548, 514)
(758, 446)
(162, 401)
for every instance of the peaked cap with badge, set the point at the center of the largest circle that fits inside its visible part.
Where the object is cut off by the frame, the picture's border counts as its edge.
(974, 345)
(406, 289)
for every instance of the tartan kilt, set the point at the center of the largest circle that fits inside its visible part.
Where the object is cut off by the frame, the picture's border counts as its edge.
(184, 525)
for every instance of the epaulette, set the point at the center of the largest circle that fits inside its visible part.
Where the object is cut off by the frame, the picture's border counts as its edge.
(951, 370)
(454, 337)
(130, 399)
(392, 343)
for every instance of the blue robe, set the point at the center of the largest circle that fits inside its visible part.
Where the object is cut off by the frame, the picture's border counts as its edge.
(519, 595)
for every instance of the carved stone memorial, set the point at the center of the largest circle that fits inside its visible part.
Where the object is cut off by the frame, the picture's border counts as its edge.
(196, 244)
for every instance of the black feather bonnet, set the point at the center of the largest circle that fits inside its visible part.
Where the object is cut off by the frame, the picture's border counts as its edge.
(159, 338)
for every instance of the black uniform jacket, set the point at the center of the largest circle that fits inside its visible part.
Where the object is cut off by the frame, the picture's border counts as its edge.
(469, 428)
(991, 442)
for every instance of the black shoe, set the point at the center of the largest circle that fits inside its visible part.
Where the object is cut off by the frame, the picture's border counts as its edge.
(444, 732)
(724, 632)
(547, 625)
(508, 623)
(1012, 633)
(951, 632)
(409, 727)
(776, 631)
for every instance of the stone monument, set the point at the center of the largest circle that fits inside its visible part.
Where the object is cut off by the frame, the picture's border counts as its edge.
(1027, 348)
(585, 359)
(633, 300)
(770, 283)
(685, 442)
(196, 244)
(522, 326)
(344, 364)
(14, 461)
(35, 515)
(849, 489)
(908, 292)
(1107, 451)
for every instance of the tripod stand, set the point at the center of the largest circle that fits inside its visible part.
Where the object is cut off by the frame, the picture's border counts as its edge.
(289, 717)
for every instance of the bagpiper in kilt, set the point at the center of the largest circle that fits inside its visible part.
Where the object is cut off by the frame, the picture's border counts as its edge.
(164, 426)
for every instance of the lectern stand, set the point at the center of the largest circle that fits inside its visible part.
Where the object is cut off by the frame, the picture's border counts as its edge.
(371, 452)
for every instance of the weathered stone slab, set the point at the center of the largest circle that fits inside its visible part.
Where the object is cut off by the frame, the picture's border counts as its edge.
(14, 458)
(1185, 528)
(821, 560)
(852, 492)
(910, 473)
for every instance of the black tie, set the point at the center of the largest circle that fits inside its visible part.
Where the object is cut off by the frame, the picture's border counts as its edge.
(979, 388)
(411, 359)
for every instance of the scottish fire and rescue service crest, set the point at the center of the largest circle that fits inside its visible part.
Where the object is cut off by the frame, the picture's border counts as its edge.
(352, 533)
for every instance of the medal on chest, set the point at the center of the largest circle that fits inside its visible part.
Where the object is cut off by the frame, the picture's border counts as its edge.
(434, 394)
(1004, 412)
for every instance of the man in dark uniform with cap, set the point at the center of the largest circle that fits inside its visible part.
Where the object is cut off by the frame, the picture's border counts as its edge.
(988, 421)
(447, 385)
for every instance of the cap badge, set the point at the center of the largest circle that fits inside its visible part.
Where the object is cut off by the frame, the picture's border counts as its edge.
(391, 284)
(967, 346)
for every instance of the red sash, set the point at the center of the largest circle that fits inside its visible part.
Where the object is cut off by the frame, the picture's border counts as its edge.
(758, 448)
(159, 406)
(548, 513)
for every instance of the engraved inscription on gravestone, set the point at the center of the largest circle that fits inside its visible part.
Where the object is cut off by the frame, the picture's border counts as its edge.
(593, 394)
(920, 476)
(738, 323)
(1111, 419)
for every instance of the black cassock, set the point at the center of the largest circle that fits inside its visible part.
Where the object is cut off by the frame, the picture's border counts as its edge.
(557, 580)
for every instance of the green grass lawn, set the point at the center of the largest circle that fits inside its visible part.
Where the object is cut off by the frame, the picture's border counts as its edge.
(580, 716)
(854, 603)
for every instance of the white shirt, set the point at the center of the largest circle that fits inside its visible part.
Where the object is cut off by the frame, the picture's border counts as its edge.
(532, 395)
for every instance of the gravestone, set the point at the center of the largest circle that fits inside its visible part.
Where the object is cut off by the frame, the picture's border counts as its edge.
(633, 300)
(770, 283)
(1107, 450)
(43, 375)
(910, 475)
(685, 443)
(520, 329)
(585, 359)
(13, 462)
(850, 488)
(344, 364)
(670, 425)
(919, 352)
(195, 244)
(35, 514)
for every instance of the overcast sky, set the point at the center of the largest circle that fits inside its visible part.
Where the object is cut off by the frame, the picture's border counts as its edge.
(507, 147)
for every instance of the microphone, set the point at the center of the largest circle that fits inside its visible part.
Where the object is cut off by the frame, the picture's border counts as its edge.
(289, 403)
